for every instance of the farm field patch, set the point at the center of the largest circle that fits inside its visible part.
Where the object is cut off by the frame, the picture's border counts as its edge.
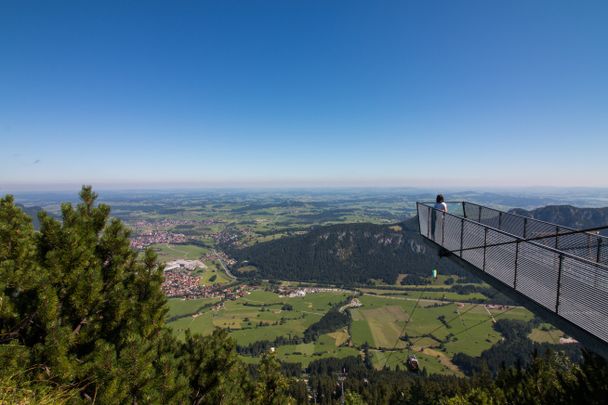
(167, 252)
(212, 274)
(437, 331)
(259, 315)
(546, 333)
(179, 306)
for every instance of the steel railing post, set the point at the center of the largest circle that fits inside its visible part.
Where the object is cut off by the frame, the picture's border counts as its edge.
(599, 250)
(559, 282)
(500, 220)
(556, 236)
(525, 228)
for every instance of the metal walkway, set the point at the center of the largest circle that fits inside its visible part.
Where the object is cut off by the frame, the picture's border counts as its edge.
(557, 271)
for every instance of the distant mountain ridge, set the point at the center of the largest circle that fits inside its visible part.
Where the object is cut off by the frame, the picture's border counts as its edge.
(345, 253)
(567, 215)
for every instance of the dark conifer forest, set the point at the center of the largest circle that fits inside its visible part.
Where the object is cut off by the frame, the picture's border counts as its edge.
(344, 253)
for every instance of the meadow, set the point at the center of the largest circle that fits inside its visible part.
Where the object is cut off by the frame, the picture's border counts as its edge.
(378, 323)
(259, 316)
(466, 328)
(212, 274)
(167, 252)
(546, 333)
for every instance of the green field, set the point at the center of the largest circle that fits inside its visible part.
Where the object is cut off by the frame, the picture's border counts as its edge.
(432, 363)
(213, 269)
(179, 306)
(381, 321)
(167, 252)
(306, 352)
(258, 316)
(546, 333)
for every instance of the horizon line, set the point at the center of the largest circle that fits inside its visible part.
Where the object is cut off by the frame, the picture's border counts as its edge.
(140, 187)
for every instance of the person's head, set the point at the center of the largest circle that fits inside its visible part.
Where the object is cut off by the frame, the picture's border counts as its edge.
(439, 198)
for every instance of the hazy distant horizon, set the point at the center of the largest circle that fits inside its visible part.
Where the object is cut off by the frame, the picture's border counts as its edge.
(248, 186)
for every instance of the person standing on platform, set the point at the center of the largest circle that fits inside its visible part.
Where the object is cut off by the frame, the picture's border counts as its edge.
(440, 208)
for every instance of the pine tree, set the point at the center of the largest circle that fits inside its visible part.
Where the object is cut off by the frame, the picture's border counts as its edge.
(79, 307)
(20, 278)
(352, 398)
(271, 387)
(212, 366)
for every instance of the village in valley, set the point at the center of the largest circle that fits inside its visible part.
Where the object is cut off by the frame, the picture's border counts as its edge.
(185, 279)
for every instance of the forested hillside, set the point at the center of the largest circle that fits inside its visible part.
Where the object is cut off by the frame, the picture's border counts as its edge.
(346, 253)
(567, 215)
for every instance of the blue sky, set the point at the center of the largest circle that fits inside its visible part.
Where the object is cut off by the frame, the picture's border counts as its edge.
(288, 93)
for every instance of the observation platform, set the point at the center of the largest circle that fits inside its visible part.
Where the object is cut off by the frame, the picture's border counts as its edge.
(558, 272)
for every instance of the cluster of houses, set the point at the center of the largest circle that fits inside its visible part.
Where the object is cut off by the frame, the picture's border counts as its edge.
(150, 232)
(182, 283)
(152, 237)
(225, 236)
(236, 292)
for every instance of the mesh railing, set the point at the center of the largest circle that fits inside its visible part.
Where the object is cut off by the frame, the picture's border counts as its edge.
(587, 245)
(567, 280)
